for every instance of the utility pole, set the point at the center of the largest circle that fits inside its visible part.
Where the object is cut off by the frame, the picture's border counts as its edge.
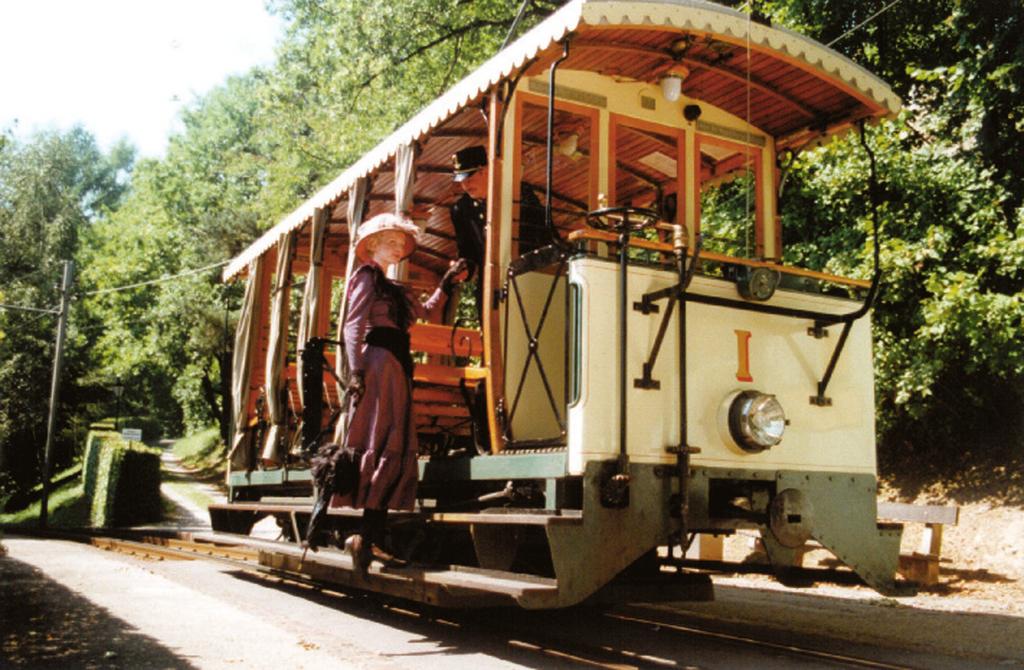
(58, 362)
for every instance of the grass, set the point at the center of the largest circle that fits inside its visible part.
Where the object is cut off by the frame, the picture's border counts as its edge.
(67, 508)
(204, 452)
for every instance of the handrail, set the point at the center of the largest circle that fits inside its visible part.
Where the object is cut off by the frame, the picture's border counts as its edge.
(606, 236)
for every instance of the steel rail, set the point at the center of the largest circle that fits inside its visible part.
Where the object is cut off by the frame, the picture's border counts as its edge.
(177, 549)
(661, 625)
(533, 636)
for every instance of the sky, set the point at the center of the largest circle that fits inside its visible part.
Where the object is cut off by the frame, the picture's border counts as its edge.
(123, 68)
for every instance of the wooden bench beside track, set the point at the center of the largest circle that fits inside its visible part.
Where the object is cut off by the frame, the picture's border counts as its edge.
(922, 565)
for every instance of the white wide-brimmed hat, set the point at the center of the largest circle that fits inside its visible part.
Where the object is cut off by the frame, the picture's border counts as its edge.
(380, 224)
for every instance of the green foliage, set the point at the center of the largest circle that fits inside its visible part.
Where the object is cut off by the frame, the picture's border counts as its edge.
(22, 498)
(727, 216)
(351, 71)
(203, 451)
(947, 354)
(91, 458)
(122, 481)
(947, 323)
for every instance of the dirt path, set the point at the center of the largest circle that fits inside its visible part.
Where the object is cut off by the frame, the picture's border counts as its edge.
(186, 496)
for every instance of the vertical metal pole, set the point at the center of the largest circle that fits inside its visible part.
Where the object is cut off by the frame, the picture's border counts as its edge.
(58, 361)
(227, 408)
(683, 454)
(623, 344)
(548, 217)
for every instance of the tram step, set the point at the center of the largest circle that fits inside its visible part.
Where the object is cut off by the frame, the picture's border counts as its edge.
(447, 586)
(498, 516)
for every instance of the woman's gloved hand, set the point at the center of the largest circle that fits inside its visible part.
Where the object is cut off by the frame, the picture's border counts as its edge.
(456, 274)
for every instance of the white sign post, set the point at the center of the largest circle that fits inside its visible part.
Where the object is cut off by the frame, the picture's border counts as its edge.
(132, 434)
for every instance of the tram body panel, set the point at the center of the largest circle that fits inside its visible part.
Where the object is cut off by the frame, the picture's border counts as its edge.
(782, 359)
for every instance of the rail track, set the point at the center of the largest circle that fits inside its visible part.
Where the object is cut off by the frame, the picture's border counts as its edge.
(621, 638)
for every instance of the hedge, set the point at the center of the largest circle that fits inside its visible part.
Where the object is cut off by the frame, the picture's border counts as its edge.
(121, 480)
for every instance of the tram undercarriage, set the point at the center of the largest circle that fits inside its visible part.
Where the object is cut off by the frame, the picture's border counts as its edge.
(542, 558)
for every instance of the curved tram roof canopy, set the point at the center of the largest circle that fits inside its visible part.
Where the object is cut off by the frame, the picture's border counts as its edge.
(792, 88)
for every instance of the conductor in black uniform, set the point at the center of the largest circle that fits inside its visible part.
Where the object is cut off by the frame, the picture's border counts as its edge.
(469, 215)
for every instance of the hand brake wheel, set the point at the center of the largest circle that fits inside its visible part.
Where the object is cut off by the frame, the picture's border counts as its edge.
(621, 219)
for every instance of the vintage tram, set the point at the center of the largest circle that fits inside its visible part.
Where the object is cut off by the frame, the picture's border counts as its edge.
(651, 373)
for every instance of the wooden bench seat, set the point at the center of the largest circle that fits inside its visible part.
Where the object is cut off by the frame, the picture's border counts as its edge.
(439, 405)
(437, 340)
(434, 338)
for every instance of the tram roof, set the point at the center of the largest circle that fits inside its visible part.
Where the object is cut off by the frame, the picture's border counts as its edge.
(791, 87)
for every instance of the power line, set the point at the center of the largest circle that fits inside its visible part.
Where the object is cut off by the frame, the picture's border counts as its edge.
(36, 318)
(157, 281)
(864, 22)
(22, 308)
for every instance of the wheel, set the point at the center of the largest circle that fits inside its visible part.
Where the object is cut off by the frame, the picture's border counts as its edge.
(622, 218)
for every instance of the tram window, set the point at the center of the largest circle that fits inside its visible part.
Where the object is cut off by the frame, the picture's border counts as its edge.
(646, 169)
(573, 172)
(575, 342)
(646, 173)
(295, 297)
(728, 199)
(337, 293)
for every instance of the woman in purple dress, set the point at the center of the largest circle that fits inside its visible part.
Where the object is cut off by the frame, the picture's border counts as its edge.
(382, 428)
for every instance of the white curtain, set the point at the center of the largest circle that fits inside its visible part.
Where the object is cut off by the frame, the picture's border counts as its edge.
(405, 179)
(310, 318)
(245, 343)
(277, 350)
(356, 203)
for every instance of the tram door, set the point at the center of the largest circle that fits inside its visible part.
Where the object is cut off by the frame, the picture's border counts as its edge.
(535, 310)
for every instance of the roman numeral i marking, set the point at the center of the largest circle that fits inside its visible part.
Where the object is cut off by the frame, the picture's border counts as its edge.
(743, 356)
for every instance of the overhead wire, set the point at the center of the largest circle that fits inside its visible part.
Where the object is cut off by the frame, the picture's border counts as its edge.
(23, 308)
(157, 280)
(864, 22)
(36, 318)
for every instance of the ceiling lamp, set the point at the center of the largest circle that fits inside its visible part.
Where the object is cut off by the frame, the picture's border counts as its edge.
(672, 82)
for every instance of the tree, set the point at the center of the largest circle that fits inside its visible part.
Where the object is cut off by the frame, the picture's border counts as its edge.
(51, 188)
(947, 322)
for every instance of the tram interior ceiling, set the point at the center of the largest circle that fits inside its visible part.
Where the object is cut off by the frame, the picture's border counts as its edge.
(640, 368)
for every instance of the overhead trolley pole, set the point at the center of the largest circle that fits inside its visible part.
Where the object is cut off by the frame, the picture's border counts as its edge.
(58, 361)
